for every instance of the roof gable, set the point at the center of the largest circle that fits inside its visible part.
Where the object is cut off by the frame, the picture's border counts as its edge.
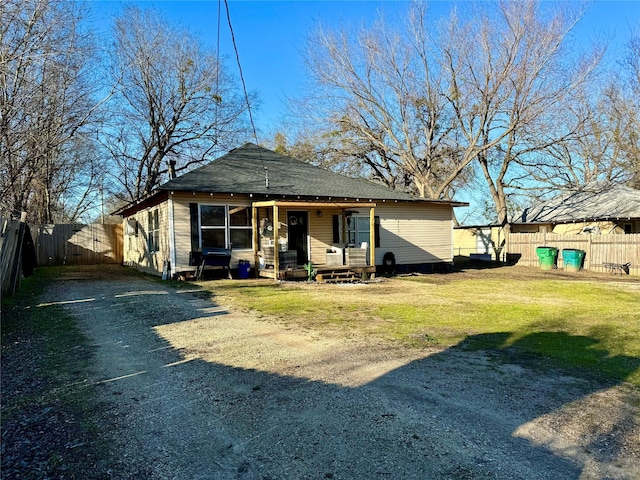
(244, 171)
(592, 202)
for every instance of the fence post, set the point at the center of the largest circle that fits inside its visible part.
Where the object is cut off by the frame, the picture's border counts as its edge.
(507, 243)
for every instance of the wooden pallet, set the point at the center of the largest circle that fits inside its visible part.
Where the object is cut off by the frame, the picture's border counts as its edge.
(336, 274)
(336, 278)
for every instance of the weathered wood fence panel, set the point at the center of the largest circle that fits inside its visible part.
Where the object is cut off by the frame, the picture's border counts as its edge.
(78, 244)
(599, 249)
(10, 259)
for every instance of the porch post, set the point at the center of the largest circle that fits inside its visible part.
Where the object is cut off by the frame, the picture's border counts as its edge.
(372, 237)
(256, 237)
(276, 246)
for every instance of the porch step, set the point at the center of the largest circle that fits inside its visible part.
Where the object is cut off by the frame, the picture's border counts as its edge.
(334, 277)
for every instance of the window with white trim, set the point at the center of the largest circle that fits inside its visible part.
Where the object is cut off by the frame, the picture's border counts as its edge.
(213, 226)
(240, 231)
(153, 231)
(224, 226)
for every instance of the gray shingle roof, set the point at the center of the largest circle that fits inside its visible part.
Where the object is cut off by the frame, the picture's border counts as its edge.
(242, 171)
(592, 202)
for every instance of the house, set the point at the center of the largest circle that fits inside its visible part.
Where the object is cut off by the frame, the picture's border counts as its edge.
(280, 214)
(595, 208)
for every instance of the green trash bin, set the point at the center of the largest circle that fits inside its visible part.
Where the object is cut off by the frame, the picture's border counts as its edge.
(572, 259)
(547, 257)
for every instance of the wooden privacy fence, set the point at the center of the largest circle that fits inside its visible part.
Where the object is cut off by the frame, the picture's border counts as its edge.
(78, 244)
(599, 249)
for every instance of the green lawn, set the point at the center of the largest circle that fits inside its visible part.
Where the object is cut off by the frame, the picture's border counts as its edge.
(590, 323)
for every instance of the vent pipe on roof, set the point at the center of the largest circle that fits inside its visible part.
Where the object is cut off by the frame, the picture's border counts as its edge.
(266, 177)
(172, 169)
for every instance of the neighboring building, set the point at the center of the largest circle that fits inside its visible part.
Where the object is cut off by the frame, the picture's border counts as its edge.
(478, 242)
(596, 208)
(257, 202)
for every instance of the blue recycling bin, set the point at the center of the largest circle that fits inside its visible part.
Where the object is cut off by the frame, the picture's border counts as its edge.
(243, 269)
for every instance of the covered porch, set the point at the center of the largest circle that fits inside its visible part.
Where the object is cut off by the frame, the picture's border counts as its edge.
(335, 241)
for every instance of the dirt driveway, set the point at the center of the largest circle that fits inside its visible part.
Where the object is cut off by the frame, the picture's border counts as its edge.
(191, 390)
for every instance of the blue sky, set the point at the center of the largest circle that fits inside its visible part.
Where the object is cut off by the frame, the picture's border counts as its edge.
(270, 35)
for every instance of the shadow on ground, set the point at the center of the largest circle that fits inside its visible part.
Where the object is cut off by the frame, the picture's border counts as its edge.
(472, 411)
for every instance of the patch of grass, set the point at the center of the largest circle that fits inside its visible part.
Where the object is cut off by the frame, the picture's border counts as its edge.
(574, 323)
(44, 355)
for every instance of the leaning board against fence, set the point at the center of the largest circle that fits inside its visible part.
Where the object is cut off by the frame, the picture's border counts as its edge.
(77, 244)
(9, 243)
(600, 250)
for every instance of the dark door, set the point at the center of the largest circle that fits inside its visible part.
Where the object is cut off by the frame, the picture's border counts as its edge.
(298, 232)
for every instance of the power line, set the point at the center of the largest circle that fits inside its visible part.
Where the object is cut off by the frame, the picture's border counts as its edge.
(246, 95)
(217, 115)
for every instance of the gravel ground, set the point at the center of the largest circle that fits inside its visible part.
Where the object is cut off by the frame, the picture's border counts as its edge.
(187, 389)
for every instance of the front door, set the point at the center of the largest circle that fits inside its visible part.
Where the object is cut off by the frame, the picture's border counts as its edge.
(298, 233)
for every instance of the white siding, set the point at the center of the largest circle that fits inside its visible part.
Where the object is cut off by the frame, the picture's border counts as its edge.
(321, 232)
(136, 251)
(415, 233)
(182, 227)
(182, 222)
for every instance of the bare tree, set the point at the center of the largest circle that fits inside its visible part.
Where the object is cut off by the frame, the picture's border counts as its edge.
(174, 101)
(599, 124)
(603, 117)
(513, 80)
(327, 150)
(426, 104)
(630, 142)
(381, 93)
(46, 106)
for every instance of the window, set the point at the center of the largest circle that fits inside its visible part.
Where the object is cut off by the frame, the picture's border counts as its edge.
(132, 227)
(213, 226)
(240, 232)
(225, 226)
(153, 231)
(358, 230)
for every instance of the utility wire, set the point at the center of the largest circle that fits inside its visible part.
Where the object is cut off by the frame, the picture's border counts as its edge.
(218, 99)
(246, 95)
